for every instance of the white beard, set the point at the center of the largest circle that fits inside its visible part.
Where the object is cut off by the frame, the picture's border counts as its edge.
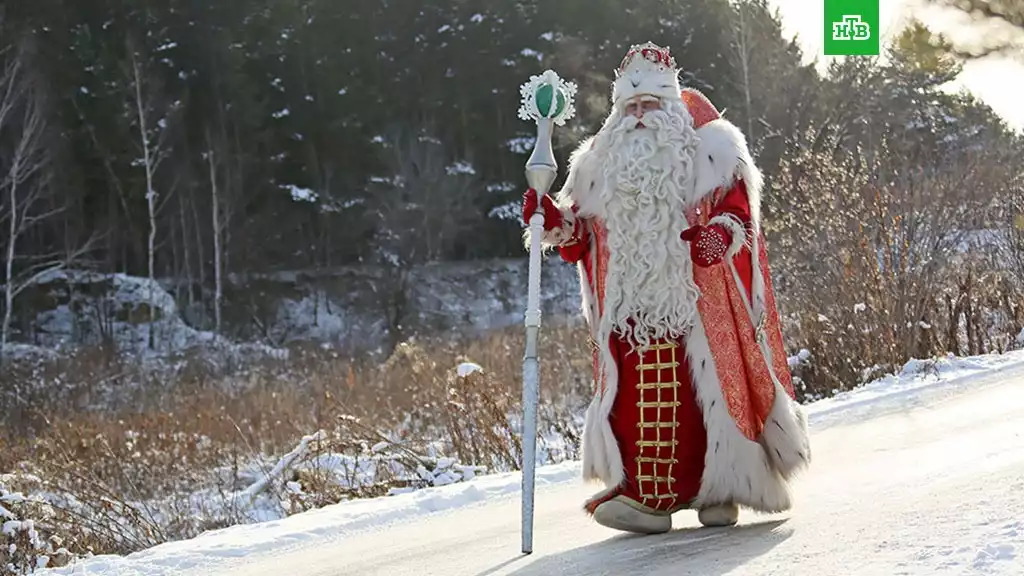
(647, 186)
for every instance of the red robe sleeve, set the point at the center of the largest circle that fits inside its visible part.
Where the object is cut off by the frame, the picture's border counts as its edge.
(732, 215)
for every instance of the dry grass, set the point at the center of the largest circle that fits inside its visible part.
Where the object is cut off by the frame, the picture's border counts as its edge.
(126, 472)
(126, 456)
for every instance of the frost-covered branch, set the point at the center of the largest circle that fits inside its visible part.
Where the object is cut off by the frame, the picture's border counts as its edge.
(23, 181)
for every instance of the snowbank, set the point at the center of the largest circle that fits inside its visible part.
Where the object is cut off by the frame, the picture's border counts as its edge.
(191, 555)
(917, 382)
(336, 307)
(75, 308)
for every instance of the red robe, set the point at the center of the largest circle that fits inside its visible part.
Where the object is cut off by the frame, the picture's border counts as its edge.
(708, 418)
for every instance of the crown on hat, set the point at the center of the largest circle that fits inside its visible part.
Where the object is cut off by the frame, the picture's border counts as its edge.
(651, 52)
(646, 70)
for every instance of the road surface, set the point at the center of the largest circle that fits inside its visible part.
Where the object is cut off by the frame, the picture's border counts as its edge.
(932, 485)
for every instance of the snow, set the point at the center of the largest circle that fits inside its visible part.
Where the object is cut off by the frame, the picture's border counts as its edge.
(531, 53)
(301, 194)
(124, 303)
(460, 167)
(987, 539)
(466, 368)
(801, 357)
(521, 144)
(916, 378)
(507, 211)
(501, 187)
(238, 541)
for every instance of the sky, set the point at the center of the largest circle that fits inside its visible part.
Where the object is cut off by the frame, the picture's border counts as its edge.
(997, 82)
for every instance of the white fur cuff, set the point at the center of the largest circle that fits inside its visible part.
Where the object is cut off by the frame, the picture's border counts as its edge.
(735, 228)
(561, 235)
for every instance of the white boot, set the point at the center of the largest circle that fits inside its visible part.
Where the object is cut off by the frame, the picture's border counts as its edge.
(719, 515)
(618, 515)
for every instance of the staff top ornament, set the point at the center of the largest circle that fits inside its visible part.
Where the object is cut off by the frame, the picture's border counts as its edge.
(547, 96)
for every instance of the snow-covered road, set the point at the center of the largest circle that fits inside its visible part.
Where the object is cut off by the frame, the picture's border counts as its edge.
(913, 475)
(934, 484)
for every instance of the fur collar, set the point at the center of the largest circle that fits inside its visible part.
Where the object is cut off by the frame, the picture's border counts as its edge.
(722, 155)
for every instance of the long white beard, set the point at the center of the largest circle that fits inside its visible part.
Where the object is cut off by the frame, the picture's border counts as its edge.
(648, 183)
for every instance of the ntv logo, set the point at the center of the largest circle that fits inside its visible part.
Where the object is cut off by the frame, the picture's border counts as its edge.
(851, 28)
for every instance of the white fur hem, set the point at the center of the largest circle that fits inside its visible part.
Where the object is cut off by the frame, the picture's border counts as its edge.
(602, 460)
(736, 469)
(785, 435)
(736, 230)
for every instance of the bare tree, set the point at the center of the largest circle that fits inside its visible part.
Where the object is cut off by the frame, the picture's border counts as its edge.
(422, 211)
(153, 132)
(218, 229)
(743, 44)
(24, 180)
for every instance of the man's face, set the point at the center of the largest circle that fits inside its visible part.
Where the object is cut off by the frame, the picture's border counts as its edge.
(640, 105)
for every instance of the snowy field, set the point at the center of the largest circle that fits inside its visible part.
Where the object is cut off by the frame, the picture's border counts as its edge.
(920, 473)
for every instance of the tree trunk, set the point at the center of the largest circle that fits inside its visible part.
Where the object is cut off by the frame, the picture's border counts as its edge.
(9, 269)
(215, 210)
(147, 158)
(187, 255)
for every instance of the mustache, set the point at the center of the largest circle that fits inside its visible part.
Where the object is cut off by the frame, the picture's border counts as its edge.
(655, 119)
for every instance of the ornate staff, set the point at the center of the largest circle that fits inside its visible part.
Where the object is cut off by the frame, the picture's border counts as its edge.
(547, 100)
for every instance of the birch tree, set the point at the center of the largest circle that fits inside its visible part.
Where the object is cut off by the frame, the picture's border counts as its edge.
(741, 55)
(152, 117)
(217, 229)
(24, 181)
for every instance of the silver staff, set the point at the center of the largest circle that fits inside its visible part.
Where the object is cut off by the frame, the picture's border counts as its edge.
(547, 100)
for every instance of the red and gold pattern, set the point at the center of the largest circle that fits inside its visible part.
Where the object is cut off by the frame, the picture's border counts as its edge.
(659, 427)
(746, 383)
(732, 336)
(701, 109)
(650, 52)
(655, 417)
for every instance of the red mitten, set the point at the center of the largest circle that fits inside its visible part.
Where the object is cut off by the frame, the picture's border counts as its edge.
(552, 215)
(708, 244)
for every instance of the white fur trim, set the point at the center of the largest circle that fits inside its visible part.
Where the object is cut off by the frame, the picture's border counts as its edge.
(561, 235)
(557, 236)
(602, 459)
(785, 435)
(736, 469)
(736, 230)
(582, 180)
(588, 298)
(722, 155)
(642, 77)
(594, 467)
